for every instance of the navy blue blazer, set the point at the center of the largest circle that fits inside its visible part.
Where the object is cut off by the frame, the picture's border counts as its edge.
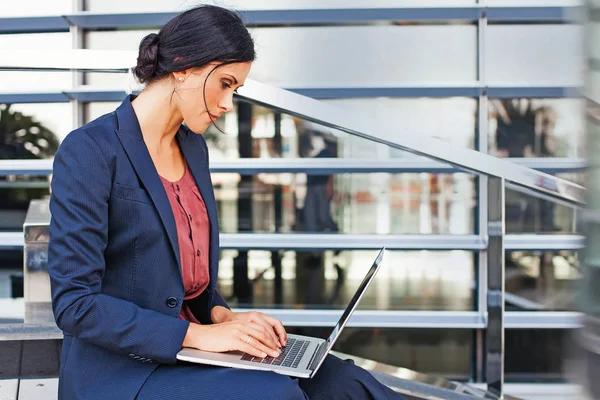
(113, 257)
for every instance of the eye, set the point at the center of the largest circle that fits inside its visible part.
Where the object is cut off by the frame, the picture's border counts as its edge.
(225, 84)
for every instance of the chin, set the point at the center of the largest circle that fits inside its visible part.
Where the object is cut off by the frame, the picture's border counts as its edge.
(197, 128)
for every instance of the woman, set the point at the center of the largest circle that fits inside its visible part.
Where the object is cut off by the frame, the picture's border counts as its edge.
(134, 239)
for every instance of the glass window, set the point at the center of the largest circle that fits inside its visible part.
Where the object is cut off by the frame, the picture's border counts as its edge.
(450, 119)
(113, 40)
(415, 349)
(346, 203)
(332, 57)
(34, 8)
(33, 130)
(35, 81)
(527, 214)
(537, 355)
(524, 127)
(541, 280)
(526, 55)
(410, 280)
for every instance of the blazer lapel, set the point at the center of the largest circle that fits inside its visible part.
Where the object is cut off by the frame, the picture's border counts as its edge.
(130, 135)
(197, 159)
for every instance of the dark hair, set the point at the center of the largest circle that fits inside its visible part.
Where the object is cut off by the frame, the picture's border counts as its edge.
(194, 38)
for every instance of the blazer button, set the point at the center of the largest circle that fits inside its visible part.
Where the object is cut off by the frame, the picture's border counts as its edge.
(172, 302)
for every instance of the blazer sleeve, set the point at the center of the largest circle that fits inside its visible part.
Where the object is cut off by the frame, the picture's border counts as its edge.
(81, 185)
(218, 300)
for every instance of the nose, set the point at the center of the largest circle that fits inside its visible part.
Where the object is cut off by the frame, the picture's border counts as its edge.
(226, 103)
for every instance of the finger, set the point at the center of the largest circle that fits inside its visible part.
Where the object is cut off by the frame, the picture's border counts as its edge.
(261, 320)
(259, 349)
(278, 327)
(247, 348)
(259, 333)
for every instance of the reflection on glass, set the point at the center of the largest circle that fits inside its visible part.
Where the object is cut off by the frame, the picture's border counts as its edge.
(347, 203)
(415, 349)
(524, 127)
(408, 280)
(452, 120)
(527, 214)
(541, 280)
(537, 355)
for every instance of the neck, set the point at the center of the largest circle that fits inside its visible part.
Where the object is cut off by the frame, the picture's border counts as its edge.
(158, 118)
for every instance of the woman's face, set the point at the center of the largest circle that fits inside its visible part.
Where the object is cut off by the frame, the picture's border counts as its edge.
(220, 86)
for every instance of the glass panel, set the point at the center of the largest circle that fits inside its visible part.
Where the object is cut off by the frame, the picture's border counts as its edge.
(536, 128)
(409, 280)
(10, 8)
(29, 131)
(347, 203)
(527, 214)
(33, 81)
(415, 349)
(161, 5)
(112, 40)
(541, 281)
(537, 355)
(450, 119)
(534, 55)
(420, 50)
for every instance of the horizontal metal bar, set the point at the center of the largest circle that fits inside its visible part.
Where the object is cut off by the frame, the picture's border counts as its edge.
(314, 166)
(11, 241)
(319, 241)
(49, 24)
(542, 320)
(466, 159)
(544, 242)
(396, 91)
(34, 97)
(379, 318)
(320, 93)
(542, 92)
(547, 14)
(334, 241)
(300, 17)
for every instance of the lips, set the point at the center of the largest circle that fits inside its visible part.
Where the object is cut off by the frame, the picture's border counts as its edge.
(214, 116)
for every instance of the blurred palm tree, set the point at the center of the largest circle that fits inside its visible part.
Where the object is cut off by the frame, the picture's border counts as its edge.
(22, 137)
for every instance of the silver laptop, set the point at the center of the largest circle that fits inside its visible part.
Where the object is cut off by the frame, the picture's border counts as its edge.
(302, 356)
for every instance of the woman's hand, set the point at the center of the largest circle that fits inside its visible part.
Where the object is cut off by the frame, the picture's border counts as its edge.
(271, 325)
(245, 336)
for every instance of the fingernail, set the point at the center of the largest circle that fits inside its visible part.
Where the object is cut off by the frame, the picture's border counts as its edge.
(263, 355)
(276, 354)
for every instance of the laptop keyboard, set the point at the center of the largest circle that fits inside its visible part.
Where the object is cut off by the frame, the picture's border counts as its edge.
(290, 355)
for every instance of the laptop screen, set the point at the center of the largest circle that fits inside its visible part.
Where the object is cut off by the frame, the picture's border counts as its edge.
(355, 299)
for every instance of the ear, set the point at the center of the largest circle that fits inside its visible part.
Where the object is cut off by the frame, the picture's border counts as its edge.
(180, 76)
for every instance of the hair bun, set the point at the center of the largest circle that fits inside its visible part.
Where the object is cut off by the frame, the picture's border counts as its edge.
(147, 61)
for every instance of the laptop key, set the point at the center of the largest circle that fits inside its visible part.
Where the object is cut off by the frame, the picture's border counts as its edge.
(247, 357)
(267, 360)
